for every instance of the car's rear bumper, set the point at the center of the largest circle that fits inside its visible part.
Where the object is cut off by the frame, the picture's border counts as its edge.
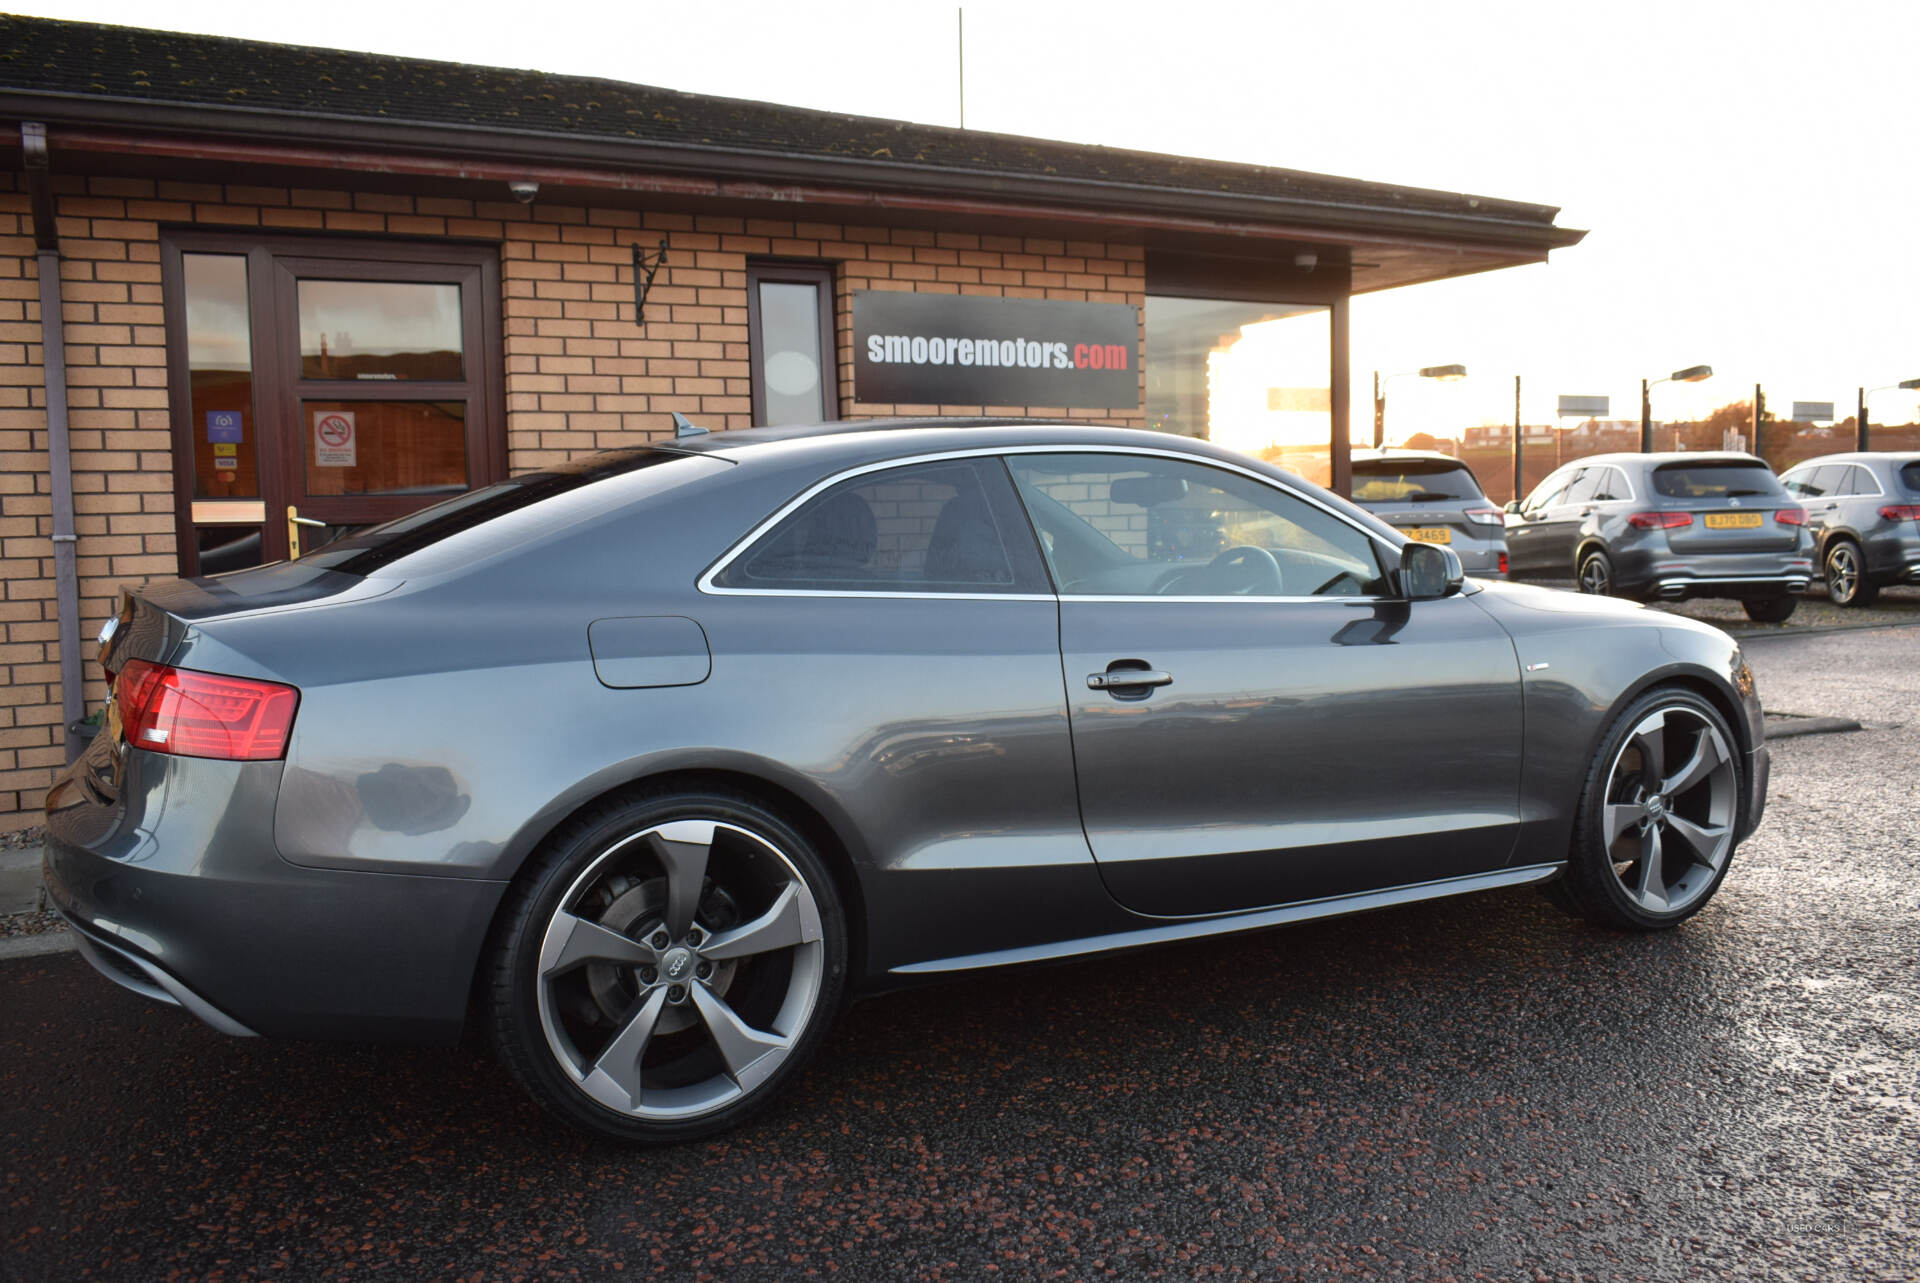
(1681, 586)
(177, 892)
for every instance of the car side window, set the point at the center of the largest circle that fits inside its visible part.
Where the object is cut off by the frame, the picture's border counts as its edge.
(1861, 482)
(1613, 486)
(1134, 525)
(950, 526)
(1586, 487)
(1817, 483)
(1795, 482)
(1548, 492)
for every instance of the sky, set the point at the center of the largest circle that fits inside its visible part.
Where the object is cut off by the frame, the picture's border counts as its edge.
(1745, 170)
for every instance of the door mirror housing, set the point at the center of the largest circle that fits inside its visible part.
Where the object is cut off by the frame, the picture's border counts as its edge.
(1428, 571)
(1513, 505)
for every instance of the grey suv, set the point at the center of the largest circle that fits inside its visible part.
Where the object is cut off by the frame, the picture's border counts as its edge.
(1434, 498)
(1864, 512)
(1666, 527)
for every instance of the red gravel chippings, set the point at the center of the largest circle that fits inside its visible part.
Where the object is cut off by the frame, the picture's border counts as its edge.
(1475, 1089)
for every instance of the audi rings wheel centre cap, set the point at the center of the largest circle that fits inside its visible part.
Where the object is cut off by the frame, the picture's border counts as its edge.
(1656, 808)
(676, 965)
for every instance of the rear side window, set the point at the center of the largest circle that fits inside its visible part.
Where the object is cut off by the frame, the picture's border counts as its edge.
(1412, 481)
(935, 527)
(1714, 480)
(1910, 477)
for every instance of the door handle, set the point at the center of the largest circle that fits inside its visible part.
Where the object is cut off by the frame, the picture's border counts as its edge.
(1121, 678)
(294, 522)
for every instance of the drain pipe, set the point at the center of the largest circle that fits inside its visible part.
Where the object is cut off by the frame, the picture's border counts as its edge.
(53, 361)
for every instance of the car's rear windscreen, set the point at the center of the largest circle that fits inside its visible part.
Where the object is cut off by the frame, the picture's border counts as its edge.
(1412, 480)
(369, 550)
(1722, 480)
(1910, 477)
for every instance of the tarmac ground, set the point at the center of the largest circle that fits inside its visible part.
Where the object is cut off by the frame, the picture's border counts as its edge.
(1475, 1088)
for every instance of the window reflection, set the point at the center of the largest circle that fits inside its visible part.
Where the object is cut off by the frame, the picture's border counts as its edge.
(1251, 376)
(220, 377)
(379, 330)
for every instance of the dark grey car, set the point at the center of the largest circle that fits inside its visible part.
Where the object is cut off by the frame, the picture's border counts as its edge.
(1666, 527)
(1434, 498)
(1864, 511)
(653, 757)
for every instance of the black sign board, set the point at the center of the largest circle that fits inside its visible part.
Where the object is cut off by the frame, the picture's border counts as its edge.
(951, 349)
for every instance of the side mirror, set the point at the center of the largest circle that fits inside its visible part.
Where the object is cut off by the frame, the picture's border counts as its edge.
(1428, 571)
(1513, 505)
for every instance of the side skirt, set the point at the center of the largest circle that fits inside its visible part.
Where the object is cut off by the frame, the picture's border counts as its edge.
(1199, 928)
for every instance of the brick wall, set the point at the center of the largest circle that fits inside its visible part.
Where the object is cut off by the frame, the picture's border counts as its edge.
(579, 375)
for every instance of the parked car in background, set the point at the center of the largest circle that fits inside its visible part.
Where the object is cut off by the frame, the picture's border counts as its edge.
(1666, 527)
(1864, 513)
(1436, 499)
(651, 757)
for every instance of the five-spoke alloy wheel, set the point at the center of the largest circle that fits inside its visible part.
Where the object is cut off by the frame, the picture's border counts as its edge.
(1657, 823)
(1847, 582)
(671, 961)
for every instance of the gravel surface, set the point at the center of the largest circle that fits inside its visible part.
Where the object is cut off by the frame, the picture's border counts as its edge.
(1475, 1089)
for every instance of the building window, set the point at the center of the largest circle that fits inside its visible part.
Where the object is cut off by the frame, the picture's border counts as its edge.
(791, 342)
(1251, 376)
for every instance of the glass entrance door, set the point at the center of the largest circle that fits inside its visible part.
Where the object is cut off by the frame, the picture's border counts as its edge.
(328, 386)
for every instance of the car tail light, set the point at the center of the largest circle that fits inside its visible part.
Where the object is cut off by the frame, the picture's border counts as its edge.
(1503, 563)
(1485, 516)
(1901, 512)
(192, 714)
(1659, 520)
(1791, 516)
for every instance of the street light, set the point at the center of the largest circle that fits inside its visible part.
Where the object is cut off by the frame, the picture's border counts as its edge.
(1860, 419)
(1445, 373)
(1692, 374)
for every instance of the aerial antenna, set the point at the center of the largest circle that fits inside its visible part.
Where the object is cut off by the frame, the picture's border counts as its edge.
(685, 427)
(961, 14)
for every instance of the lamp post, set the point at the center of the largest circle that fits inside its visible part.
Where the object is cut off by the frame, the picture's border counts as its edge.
(1446, 373)
(1860, 420)
(1692, 374)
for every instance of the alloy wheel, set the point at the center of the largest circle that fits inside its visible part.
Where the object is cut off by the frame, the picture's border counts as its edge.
(1843, 574)
(1669, 810)
(680, 969)
(1596, 576)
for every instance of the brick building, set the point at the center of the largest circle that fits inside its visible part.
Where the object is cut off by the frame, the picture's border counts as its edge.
(287, 291)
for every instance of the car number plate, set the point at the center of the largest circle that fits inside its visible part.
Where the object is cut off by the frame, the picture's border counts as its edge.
(1734, 520)
(1428, 534)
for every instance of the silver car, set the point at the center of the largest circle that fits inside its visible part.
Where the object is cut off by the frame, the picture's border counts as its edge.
(1864, 512)
(1667, 527)
(1436, 499)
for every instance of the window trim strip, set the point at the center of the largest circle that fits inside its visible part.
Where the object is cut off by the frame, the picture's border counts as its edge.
(705, 583)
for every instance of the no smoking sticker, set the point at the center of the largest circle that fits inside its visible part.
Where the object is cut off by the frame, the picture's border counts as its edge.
(335, 443)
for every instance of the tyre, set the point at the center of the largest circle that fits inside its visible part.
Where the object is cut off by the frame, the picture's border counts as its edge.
(1596, 574)
(1654, 832)
(1770, 610)
(666, 965)
(1846, 575)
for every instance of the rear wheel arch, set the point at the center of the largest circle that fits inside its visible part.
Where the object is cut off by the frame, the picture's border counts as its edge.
(834, 851)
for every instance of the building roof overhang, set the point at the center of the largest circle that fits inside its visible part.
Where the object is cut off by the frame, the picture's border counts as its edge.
(105, 114)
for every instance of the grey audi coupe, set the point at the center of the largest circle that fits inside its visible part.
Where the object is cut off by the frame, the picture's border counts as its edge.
(650, 760)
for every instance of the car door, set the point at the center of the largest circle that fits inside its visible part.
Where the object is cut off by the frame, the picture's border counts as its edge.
(1526, 533)
(1255, 719)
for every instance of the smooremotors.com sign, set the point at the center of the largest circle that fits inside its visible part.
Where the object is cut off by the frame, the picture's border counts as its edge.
(948, 349)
